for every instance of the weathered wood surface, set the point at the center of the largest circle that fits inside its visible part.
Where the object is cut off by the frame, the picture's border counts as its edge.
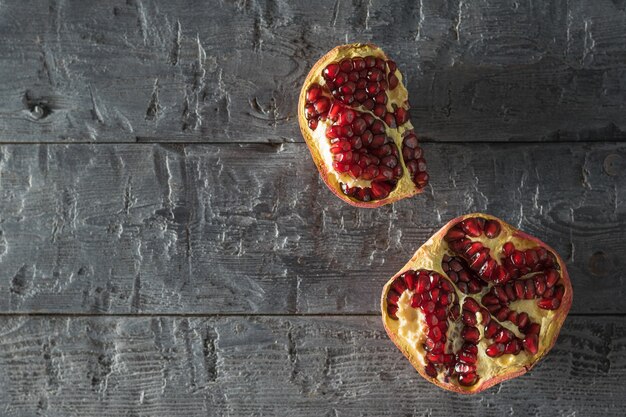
(252, 229)
(231, 71)
(264, 366)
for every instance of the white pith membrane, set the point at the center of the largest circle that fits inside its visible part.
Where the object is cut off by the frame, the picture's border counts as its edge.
(398, 96)
(411, 329)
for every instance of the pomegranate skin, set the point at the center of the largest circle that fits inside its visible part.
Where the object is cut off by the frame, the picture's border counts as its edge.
(428, 257)
(403, 189)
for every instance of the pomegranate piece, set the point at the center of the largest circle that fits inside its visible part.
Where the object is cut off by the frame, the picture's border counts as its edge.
(355, 120)
(465, 310)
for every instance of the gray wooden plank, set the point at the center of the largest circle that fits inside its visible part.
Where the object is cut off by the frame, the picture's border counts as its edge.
(252, 229)
(273, 366)
(230, 71)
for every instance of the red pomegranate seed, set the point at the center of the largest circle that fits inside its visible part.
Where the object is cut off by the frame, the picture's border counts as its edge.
(432, 346)
(445, 299)
(346, 117)
(530, 289)
(372, 88)
(504, 336)
(474, 286)
(486, 271)
(464, 276)
(348, 88)
(410, 141)
(416, 301)
(401, 116)
(454, 234)
(393, 297)
(493, 308)
(468, 379)
(510, 291)
(445, 285)
(470, 334)
(503, 313)
(501, 294)
(472, 227)
(423, 283)
(375, 74)
(471, 305)
(380, 110)
(486, 317)
(495, 350)
(492, 229)
(517, 258)
(473, 248)
(335, 110)
(341, 78)
(512, 317)
(409, 279)
(469, 318)
(520, 289)
(380, 189)
(455, 312)
(393, 82)
(428, 307)
(467, 357)
(549, 303)
(313, 124)
(431, 320)
(430, 370)
(331, 71)
(513, 347)
(522, 320)
(434, 357)
(470, 347)
(490, 299)
(531, 257)
(310, 111)
(540, 284)
(533, 328)
(508, 248)
(479, 259)
(560, 291)
(390, 120)
(463, 368)
(549, 293)
(500, 275)
(491, 329)
(434, 294)
(346, 65)
(314, 93)
(398, 285)
(392, 310)
(435, 334)
(531, 343)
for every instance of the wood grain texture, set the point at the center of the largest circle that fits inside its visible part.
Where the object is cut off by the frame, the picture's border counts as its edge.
(230, 71)
(263, 366)
(252, 229)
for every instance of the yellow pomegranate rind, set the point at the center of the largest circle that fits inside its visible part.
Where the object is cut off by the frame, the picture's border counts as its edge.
(493, 371)
(405, 186)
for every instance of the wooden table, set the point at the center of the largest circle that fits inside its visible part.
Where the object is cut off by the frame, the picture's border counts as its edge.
(168, 249)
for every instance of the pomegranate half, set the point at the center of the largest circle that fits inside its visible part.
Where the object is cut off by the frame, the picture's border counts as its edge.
(354, 116)
(479, 303)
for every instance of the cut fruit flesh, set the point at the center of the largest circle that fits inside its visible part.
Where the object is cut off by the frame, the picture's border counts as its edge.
(354, 117)
(510, 294)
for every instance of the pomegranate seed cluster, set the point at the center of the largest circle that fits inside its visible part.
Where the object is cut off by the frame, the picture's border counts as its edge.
(475, 294)
(354, 98)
